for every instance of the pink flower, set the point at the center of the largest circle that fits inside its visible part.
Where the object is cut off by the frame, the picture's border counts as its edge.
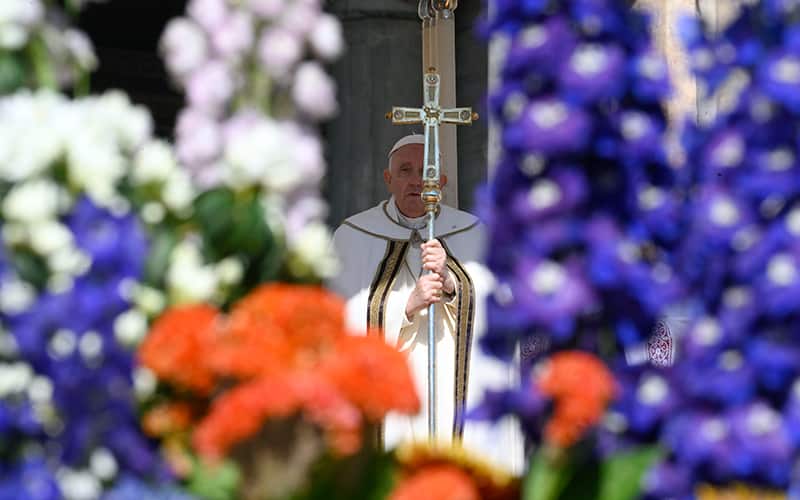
(306, 207)
(266, 9)
(234, 36)
(314, 92)
(308, 156)
(208, 13)
(198, 138)
(279, 51)
(300, 17)
(210, 87)
(326, 37)
(183, 46)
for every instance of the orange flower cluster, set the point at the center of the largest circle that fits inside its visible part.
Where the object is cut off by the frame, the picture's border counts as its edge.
(437, 482)
(427, 472)
(581, 387)
(281, 351)
(177, 343)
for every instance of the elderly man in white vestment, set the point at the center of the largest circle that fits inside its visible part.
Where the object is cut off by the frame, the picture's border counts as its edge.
(383, 256)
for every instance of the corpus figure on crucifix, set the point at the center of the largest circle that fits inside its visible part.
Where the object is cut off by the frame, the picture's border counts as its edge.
(411, 271)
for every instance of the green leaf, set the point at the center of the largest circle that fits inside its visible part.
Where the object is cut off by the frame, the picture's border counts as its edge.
(31, 268)
(157, 263)
(548, 475)
(217, 482)
(368, 475)
(621, 475)
(12, 72)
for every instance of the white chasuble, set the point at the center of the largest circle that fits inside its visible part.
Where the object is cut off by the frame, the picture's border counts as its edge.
(381, 262)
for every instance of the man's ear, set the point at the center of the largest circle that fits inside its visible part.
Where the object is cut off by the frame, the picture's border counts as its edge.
(387, 176)
(443, 180)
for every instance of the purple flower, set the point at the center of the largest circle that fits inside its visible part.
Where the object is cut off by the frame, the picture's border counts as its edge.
(593, 72)
(779, 76)
(549, 126)
(542, 46)
(668, 480)
(650, 76)
(551, 294)
(560, 192)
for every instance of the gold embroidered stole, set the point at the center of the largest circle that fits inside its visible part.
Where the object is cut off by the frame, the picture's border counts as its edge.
(382, 284)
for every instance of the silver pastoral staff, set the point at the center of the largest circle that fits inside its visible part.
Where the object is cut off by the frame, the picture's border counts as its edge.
(432, 115)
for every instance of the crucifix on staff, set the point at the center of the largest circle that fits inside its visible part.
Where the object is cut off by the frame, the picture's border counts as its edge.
(431, 115)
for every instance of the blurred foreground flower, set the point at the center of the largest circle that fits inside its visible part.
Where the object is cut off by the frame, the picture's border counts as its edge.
(254, 100)
(282, 352)
(453, 473)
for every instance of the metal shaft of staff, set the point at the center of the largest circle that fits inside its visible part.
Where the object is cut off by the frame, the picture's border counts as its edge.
(431, 353)
(431, 115)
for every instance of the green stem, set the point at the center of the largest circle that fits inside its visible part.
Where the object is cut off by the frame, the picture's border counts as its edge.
(83, 84)
(42, 68)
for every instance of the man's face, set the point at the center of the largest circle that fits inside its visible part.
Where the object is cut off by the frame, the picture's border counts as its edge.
(404, 179)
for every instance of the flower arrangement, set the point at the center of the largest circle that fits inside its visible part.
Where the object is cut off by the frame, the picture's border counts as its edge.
(282, 351)
(581, 206)
(715, 236)
(726, 411)
(105, 227)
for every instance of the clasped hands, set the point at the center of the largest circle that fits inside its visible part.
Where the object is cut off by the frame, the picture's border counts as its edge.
(430, 286)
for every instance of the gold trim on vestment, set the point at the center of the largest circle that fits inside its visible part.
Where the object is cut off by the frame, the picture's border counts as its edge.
(465, 323)
(382, 282)
(376, 235)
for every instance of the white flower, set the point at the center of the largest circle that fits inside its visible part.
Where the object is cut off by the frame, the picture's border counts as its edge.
(69, 261)
(48, 237)
(184, 46)
(178, 192)
(131, 124)
(315, 250)
(130, 327)
(62, 344)
(13, 36)
(144, 382)
(149, 300)
(80, 48)
(95, 165)
(14, 378)
(78, 485)
(326, 37)
(188, 279)
(103, 464)
(32, 201)
(154, 162)
(90, 345)
(262, 155)
(230, 271)
(153, 212)
(16, 296)
(31, 133)
(40, 389)
(17, 17)
(8, 344)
